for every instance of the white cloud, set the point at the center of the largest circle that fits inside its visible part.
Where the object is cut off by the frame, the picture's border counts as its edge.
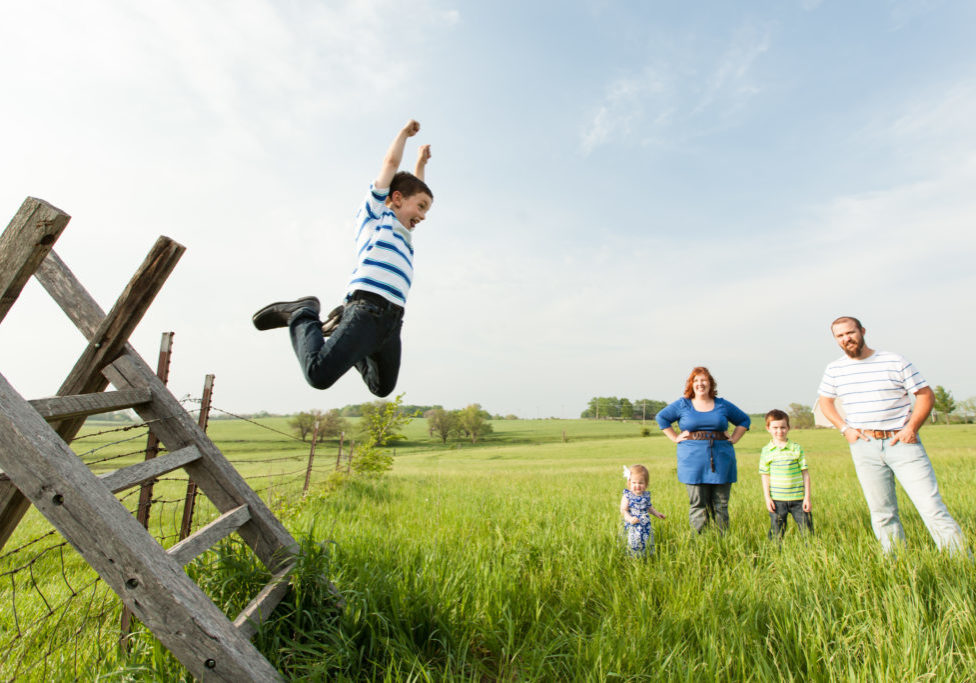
(655, 103)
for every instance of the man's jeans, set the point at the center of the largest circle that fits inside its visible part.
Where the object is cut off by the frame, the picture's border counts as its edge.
(707, 502)
(368, 338)
(878, 463)
(785, 508)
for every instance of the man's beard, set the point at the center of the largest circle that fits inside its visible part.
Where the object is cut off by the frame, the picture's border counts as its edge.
(856, 351)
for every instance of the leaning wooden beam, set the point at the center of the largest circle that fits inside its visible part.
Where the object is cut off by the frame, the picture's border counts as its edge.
(264, 603)
(150, 582)
(111, 335)
(218, 479)
(82, 405)
(127, 477)
(204, 539)
(107, 337)
(23, 245)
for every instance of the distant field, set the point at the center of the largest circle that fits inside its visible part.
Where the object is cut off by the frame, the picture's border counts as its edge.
(502, 561)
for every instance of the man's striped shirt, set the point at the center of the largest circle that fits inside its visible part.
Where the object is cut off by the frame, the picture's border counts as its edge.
(876, 392)
(384, 251)
(784, 465)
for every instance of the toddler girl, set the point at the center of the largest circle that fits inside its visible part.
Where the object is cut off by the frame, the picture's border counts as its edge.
(635, 506)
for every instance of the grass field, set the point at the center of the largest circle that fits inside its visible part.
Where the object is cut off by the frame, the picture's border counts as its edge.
(503, 562)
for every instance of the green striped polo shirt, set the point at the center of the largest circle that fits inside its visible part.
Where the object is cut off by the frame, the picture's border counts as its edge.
(784, 465)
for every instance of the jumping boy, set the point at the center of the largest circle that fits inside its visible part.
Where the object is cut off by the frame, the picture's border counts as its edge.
(365, 332)
(785, 477)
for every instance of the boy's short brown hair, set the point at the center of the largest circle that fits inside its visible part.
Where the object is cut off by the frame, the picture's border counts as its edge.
(408, 185)
(777, 414)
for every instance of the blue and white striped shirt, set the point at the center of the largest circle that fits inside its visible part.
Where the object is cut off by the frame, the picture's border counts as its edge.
(384, 251)
(875, 391)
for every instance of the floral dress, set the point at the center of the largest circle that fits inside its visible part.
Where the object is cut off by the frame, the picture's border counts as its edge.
(640, 536)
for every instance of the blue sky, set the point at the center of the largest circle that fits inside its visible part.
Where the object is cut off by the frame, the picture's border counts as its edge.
(622, 190)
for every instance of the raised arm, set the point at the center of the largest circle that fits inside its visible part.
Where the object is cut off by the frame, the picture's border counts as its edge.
(394, 155)
(423, 156)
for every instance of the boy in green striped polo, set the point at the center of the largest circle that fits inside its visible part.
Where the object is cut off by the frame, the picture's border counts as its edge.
(785, 477)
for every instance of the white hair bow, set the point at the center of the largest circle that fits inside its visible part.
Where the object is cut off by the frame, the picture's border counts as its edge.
(626, 472)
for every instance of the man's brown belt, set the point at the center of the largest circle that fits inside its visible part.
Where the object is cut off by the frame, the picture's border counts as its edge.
(878, 433)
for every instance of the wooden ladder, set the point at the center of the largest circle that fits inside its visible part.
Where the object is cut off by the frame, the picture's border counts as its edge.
(40, 469)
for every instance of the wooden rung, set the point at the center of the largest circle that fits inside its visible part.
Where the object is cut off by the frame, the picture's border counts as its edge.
(127, 477)
(82, 405)
(261, 607)
(205, 538)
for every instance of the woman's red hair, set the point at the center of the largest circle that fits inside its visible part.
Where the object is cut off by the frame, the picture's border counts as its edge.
(700, 370)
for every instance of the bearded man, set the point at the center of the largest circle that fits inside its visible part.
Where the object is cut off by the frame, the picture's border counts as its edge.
(881, 427)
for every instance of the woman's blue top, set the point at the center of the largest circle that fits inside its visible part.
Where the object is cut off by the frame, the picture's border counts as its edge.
(695, 457)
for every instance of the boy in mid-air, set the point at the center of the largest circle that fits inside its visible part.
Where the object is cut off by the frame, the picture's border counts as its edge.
(365, 331)
(785, 477)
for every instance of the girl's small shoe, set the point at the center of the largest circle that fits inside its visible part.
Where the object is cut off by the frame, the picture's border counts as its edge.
(332, 322)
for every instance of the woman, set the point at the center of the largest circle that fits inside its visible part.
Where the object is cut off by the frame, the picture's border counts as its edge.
(706, 458)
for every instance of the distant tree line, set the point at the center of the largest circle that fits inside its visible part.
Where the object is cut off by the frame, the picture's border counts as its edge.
(471, 423)
(613, 408)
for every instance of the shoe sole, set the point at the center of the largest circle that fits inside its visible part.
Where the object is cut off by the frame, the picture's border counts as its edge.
(277, 324)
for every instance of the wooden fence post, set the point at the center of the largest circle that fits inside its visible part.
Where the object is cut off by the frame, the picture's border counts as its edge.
(146, 490)
(342, 439)
(352, 446)
(311, 457)
(191, 486)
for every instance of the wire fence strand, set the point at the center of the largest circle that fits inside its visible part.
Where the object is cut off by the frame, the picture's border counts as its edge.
(44, 629)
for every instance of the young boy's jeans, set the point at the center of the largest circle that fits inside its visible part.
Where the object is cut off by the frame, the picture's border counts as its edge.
(368, 338)
(878, 463)
(784, 508)
(707, 502)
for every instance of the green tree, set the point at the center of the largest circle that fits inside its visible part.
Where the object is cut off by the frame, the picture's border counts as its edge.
(801, 416)
(648, 408)
(944, 403)
(444, 423)
(626, 409)
(304, 423)
(382, 421)
(332, 423)
(474, 421)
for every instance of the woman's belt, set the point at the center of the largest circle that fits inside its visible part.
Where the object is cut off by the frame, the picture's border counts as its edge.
(710, 437)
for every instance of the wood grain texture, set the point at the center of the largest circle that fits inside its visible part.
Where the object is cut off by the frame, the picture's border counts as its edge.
(151, 583)
(25, 243)
(58, 408)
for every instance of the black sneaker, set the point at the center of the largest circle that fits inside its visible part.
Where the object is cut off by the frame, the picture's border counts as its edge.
(279, 313)
(332, 322)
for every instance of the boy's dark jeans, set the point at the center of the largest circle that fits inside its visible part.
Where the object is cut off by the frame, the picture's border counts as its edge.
(777, 526)
(368, 338)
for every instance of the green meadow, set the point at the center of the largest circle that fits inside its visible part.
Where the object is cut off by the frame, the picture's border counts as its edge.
(502, 560)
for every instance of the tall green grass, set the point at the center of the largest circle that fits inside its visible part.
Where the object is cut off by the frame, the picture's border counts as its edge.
(504, 562)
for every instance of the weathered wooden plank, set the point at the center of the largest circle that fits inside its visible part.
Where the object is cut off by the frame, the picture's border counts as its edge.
(217, 478)
(264, 603)
(68, 293)
(13, 507)
(205, 538)
(127, 477)
(85, 313)
(150, 582)
(29, 237)
(112, 334)
(82, 405)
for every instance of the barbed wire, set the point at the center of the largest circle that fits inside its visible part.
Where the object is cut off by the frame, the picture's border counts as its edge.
(41, 580)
